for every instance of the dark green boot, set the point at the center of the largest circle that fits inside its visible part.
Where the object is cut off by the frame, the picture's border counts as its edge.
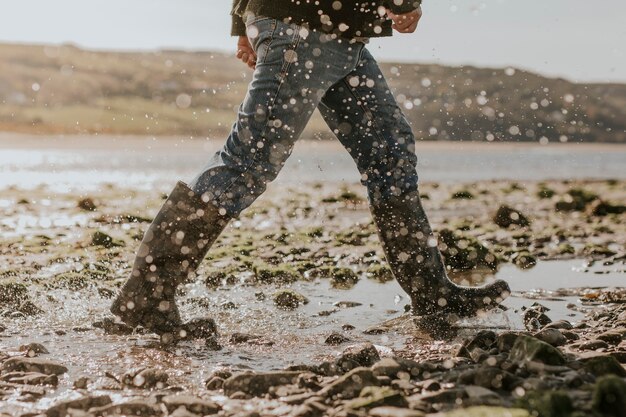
(412, 253)
(172, 248)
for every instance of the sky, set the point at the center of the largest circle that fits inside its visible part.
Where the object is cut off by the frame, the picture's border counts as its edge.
(579, 40)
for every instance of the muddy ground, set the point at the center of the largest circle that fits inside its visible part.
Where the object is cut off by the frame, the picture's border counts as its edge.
(343, 345)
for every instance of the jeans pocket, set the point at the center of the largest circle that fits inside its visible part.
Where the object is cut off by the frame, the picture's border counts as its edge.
(260, 32)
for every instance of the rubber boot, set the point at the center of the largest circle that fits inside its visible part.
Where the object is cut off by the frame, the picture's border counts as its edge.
(412, 253)
(172, 248)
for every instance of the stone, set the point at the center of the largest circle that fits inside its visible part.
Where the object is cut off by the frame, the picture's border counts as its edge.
(30, 378)
(551, 336)
(559, 324)
(371, 397)
(386, 367)
(258, 383)
(604, 365)
(336, 339)
(507, 216)
(21, 364)
(360, 355)
(100, 238)
(387, 411)
(141, 408)
(146, 378)
(190, 403)
(484, 411)
(506, 340)
(112, 327)
(350, 384)
(85, 403)
(593, 345)
(215, 383)
(535, 319)
(609, 396)
(548, 404)
(527, 348)
(289, 299)
(613, 337)
(33, 349)
(490, 377)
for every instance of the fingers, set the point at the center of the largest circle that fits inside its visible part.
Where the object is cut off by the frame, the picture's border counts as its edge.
(247, 56)
(405, 23)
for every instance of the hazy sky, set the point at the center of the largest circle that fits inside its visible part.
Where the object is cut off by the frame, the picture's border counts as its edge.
(577, 39)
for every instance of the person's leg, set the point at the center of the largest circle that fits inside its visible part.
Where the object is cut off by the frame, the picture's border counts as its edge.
(363, 114)
(294, 69)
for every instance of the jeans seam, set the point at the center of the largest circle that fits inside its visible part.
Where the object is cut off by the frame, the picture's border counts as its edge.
(286, 65)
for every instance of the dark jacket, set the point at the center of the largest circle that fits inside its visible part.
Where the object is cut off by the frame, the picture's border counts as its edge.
(346, 18)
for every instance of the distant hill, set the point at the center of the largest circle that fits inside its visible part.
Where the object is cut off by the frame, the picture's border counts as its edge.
(64, 89)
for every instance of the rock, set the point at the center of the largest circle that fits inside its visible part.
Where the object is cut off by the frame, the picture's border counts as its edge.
(347, 304)
(609, 396)
(611, 337)
(483, 411)
(145, 378)
(350, 384)
(548, 404)
(371, 397)
(141, 408)
(33, 349)
(30, 378)
(576, 199)
(112, 327)
(81, 383)
(593, 345)
(21, 364)
(559, 324)
(289, 299)
(485, 339)
(215, 383)
(86, 204)
(603, 208)
(342, 278)
(258, 383)
(551, 336)
(361, 355)
(387, 367)
(524, 259)
(237, 338)
(490, 377)
(507, 216)
(527, 348)
(604, 365)
(190, 403)
(100, 238)
(387, 411)
(535, 319)
(85, 403)
(506, 340)
(335, 339)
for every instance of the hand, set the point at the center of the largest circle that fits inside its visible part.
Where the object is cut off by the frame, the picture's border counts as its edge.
(245, 53)
(407, 22)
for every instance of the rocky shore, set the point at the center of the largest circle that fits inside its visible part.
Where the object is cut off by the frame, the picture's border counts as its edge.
(64, 256)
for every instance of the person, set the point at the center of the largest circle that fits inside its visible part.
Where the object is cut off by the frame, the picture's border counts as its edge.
(306, 55)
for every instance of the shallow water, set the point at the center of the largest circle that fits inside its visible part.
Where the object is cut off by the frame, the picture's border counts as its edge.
(285, 337)
(81, 163)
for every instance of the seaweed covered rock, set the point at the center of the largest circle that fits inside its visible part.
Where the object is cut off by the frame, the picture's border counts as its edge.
(14, 298)
(604, 208)
(281, 274)
(506, 216)
(604, 365)
(576, 199)
(464, 252)
(100, 238)
(340, 277)
(42, 366)
(258, 383)
(528, 348)
(289, 299)
(548, 404)
(609, 396)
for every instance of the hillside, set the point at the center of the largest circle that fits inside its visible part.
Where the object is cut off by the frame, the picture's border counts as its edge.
(64, 89)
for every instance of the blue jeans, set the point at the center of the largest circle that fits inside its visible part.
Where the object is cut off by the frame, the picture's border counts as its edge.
(298, 71)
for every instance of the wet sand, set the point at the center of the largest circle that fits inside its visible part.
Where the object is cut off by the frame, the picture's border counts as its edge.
(57, 280)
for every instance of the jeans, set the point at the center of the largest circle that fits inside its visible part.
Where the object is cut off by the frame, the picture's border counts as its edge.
(298, 71)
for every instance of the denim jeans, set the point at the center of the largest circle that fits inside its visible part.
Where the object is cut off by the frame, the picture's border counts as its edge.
(298, 71)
